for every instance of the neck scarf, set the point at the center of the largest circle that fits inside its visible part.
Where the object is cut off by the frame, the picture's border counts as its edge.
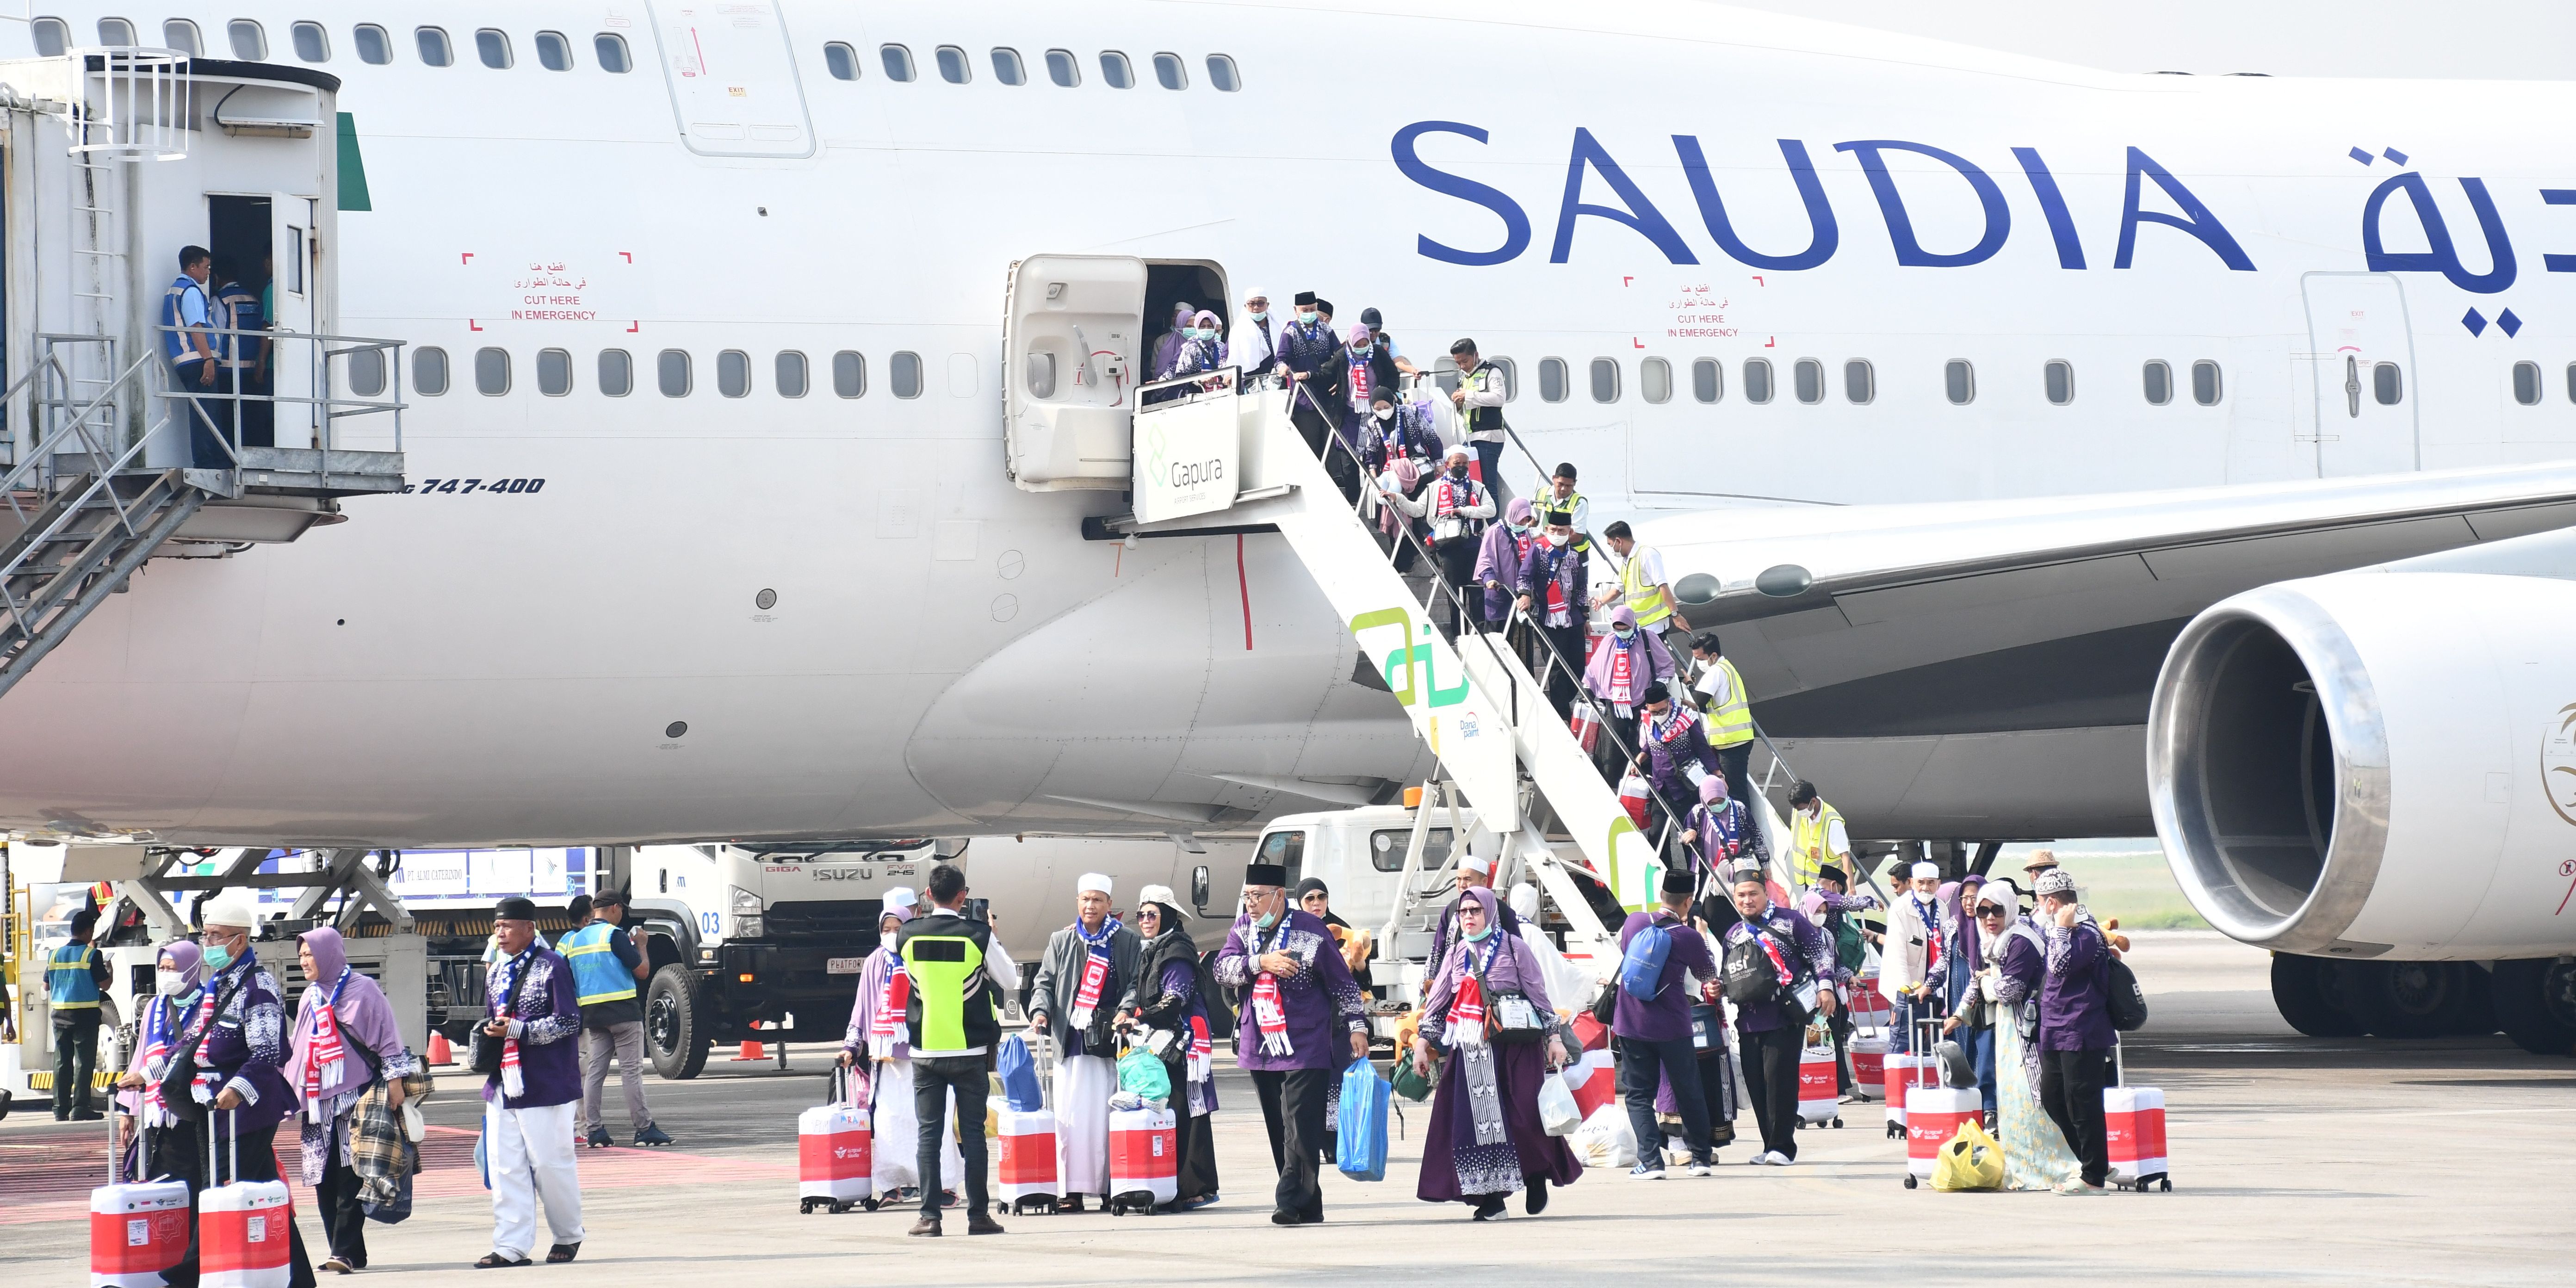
(893, 998)
(1360, 383)
(1623, 679)
(513, 1083)
(326, 1051)
(1929, 913)
(1760, 931)
(1558, 612)
(1721, 834)
(1269, 1009)
(1672, 726)
(1095, 971)
(1467, 1004)
(161, 1019)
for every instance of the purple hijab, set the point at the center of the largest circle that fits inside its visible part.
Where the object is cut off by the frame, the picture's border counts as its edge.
(364, 1015)
(1515, 966)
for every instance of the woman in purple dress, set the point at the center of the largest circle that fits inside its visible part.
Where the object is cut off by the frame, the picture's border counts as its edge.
(1485, 1138)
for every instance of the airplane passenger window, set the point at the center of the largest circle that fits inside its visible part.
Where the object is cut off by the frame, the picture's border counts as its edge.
(1444, 375)
(611, 51)
(1959, 381)
(788, 373)
(1757, 380)
(1860, 382)
(115, 31)
(429, 372)
(1708, 380)
(1007, 68)
(841, 60)
(554, 53)
(1063, 68)
(1114, 69)
(1551, 380)
(492, 372)
(952, 65)
(554, 372)
(2391, 382)
(374, 47)
(1655, 380)
(2526, 383)
(897, 60)
(2159, 379)
(433, 45)
(616, 373)
(181, 34)
(367, 372)
(494, 48)
(1041, 375)
(1807, 376)
(1221, 74)
(1511, 374)
(2059, 379)
(907, 374)
(733, 373)
(250, 44)
(1605, 380)
(2204, 383)
(849, 373)
(312, 42)
(2387, 384)
(1170, 73)
(52, 36)
(671, 369)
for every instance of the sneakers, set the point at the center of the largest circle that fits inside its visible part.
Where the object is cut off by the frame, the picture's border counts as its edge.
(1770, 1158)
(1653, 1171)
(1493, 1212)
(1779, 1159)
(650, 1136)
(598, 1138)
(1696, 1168)
(2077, 1188)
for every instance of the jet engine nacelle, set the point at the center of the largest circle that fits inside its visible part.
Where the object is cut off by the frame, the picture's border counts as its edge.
(2375, 764)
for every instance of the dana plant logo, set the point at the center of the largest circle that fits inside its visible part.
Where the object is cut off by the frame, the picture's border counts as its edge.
(2558, 764)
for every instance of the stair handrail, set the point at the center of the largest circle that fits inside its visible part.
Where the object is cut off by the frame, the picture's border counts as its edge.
(41, 365)
(102, 480)
(78, 423)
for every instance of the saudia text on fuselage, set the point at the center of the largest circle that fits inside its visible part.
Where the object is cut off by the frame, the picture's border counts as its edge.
(1590, 163)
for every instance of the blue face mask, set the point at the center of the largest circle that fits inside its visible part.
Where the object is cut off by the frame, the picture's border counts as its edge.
(1306, 318)
(1266, 920)
(1362, 350)
(1257, 315)
(218, 956)
(1623, 632)
(1479, 936)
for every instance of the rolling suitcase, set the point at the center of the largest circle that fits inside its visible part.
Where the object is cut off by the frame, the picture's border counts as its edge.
(1819, 1091)
(1869, 1068)
(1932, 1117)
(137, 1229)
(1902, 1071)
(244, 1228)
(1144, 1160)
(835, 1153)
(2133, 1124)
(1593, 1080)
(1024, 1178)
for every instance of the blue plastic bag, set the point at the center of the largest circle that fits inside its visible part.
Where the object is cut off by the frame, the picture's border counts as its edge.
(1360, 1141)
(1019, 1076)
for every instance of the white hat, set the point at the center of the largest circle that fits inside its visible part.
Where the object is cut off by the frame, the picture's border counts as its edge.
(1525, 901)
(901, 897)
(1092, 882)
(1256, 293)
(1159, 894)
(229, 908)
(1477, 863)
(1924, 869)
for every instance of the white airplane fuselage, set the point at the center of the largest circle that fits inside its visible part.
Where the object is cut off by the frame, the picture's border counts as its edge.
(777, 617)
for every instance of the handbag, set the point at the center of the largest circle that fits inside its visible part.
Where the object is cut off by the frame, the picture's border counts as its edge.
(1511, 1019)
(487, 1049)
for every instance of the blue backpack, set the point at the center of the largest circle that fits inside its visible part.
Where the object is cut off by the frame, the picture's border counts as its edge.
(1641, 967)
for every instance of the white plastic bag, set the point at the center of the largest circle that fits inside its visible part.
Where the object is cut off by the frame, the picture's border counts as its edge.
(1557, 1112)
(1605, 1139)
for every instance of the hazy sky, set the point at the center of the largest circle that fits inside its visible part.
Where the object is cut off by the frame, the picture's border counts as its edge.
(2495, 39)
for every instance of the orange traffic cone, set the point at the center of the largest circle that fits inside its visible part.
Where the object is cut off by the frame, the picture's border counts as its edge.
(751, 1051)
(439, 1051)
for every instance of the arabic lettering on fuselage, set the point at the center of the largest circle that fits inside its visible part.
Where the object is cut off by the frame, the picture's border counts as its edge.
(1590, 165)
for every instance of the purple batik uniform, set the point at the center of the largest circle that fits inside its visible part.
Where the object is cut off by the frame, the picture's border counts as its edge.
(547, 1021)
(246, 1049)
(2074, 1006)
(1321, 1002)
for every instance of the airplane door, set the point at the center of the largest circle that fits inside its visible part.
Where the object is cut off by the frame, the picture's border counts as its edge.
(732, 73)
(290, 261)
(2361, 363)
(1071, 344)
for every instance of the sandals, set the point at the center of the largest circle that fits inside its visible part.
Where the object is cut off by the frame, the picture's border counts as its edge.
(561, 1253)
(495, 1261)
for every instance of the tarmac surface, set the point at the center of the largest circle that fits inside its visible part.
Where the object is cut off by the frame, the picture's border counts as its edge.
(2295, 1161)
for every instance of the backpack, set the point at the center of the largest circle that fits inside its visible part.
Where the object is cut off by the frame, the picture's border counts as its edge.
(1750, 978)
(1641, 967)
(2127, 1002)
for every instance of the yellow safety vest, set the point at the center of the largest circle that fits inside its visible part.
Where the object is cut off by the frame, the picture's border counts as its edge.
(1644, 599)
(1808, 838)
(1730, 723)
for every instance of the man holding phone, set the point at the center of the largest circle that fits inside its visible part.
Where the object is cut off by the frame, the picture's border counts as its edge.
(527, 1049)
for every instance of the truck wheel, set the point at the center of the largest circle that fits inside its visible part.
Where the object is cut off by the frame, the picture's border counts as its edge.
(2309, 994)
(673, 1028)
(2403, 999)
(2535, 1001)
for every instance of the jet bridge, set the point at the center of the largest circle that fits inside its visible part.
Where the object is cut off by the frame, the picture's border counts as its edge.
(116, 159)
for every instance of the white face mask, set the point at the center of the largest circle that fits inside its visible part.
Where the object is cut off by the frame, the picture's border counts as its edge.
(1386, 413)
(1623, 632)
(172, 983)
(1558, 538)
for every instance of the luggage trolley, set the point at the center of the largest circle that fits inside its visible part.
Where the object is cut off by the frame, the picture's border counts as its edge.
(1022, 1197)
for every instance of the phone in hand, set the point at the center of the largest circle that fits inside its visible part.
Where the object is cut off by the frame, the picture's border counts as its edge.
(979, 910)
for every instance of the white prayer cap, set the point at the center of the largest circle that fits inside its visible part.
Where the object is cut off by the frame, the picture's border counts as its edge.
(1256, 293)
(235, 908)
(1092, 883)
(1525, 901)
(1927, 869)
(901, 897)
(1158, 894)
(1477, 863)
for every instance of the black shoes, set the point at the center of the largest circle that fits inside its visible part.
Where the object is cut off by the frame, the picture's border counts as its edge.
(1535, 1201)
(925, 1228)
(982, 1223)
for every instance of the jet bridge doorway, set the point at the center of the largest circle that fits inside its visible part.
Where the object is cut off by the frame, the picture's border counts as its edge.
(1079, 334)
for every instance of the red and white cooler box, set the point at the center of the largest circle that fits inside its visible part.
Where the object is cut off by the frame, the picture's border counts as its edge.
(136, 1230)
(2133, 1119)
(835, 1153)
(1144, 1154)
(1592, 1080)
(1819, 1091)
(1901, 1072)
(1869, 1067)
(242, 1234)
(1932, 1117)
(1024, 1156)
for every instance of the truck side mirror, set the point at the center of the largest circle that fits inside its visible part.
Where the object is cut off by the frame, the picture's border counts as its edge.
(1199, 888)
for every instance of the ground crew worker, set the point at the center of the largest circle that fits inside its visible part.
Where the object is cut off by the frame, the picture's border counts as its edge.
(240, 309)
(1562, 496)
(186, 313)
(1816, 835)
(1479, 398)
(1642, 583)
(958, 971)
(75, 980)
(605, 967)
(1730, 716)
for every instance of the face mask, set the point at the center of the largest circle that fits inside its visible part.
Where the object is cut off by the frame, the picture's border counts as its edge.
(1257, 315)
(173, 984)
(1520, 529)
(218, 957)
(1457, 471)
(1361, 351)
(1558, 538)
(1306, 318)
(1266, 920)
(1386, 413)
(1623, 632)
(1479, 936)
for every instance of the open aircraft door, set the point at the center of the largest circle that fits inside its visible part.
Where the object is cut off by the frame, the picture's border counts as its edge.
(291, 366)
(1071, 347)
(2361, 364)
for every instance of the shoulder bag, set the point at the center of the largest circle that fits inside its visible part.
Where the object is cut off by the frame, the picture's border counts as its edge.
(487, 1049)
(179, 1081)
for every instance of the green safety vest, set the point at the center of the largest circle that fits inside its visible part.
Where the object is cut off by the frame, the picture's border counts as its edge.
(597, 975)
(1730, 723)
(945, 957)
(69, 983)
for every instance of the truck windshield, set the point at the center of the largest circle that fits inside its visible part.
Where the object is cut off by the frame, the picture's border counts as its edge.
(1287, 849)
(1386, 848)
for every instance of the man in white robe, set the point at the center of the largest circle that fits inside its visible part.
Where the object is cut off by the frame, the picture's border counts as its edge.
(1089, 965)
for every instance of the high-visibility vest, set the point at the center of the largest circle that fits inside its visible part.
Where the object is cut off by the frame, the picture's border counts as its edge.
(1646, 600)
(174, 340)
(945, 957)
(69, 983)
(1808, 839)
(597, 975)
(1730, 723)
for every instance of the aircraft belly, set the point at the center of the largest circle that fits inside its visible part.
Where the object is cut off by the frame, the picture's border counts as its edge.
(2043, 784)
